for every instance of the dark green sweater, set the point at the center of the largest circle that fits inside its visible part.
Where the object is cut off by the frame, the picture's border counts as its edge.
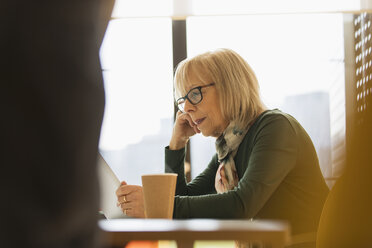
(279, 178)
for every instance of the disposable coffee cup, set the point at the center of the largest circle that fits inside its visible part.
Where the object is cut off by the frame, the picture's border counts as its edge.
(158, 194)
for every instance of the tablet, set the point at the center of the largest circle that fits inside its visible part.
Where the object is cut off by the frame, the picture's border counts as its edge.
(109, 183)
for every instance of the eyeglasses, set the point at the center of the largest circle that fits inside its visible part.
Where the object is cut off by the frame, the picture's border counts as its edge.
(194, 96)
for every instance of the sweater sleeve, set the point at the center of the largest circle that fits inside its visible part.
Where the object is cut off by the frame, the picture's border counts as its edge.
(202, 184)
(273, 154)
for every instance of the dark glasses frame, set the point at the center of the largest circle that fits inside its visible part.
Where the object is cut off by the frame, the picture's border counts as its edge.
(180, 102)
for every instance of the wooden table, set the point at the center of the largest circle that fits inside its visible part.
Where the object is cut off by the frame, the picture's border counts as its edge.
(185, 232)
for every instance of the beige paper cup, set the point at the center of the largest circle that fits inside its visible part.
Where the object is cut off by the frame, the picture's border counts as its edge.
(158, 194)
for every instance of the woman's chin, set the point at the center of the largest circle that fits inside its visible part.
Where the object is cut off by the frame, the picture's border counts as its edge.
(204, 133)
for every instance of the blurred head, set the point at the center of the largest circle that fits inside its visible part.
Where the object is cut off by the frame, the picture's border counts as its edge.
(231, 92)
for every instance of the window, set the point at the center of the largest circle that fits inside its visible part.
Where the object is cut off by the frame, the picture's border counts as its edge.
(136, 58)
(298, 60)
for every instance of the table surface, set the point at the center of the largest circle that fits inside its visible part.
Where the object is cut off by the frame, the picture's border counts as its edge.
(118, 231)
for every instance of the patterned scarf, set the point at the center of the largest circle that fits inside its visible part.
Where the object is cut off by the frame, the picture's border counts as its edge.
(227, 146)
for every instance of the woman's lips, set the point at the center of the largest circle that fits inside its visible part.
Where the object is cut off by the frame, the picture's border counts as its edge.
(199, 121)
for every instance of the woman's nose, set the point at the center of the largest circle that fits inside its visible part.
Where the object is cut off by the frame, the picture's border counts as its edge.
(188, 106)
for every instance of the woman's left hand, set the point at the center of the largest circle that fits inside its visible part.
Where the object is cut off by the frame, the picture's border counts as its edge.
(130, 200)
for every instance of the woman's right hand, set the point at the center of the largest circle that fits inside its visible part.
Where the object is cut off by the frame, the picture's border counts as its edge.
(183, 129)
(130, 200)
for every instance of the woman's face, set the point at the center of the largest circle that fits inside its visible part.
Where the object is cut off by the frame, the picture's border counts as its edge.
(207, 113)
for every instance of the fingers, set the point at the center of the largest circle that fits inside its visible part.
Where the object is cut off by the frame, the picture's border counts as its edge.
(186, 125)
(132, 204)
(129, 205)
(183, 129)
(132, 212)
(127, 189)
(196, 129)
(187, 117)
(122, 199)
(118, 191)
(130, 200)
(132, 197)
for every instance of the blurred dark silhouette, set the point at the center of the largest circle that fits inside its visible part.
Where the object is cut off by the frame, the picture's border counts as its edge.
(346, 219)
(52, 103)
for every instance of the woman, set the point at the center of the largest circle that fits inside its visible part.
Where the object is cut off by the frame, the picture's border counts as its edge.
(265, 166)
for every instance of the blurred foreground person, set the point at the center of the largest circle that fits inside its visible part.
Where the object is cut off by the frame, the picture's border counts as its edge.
(346, 220)
(51, 113)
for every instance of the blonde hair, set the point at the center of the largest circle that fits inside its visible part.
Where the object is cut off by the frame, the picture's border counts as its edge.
(235, 81)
